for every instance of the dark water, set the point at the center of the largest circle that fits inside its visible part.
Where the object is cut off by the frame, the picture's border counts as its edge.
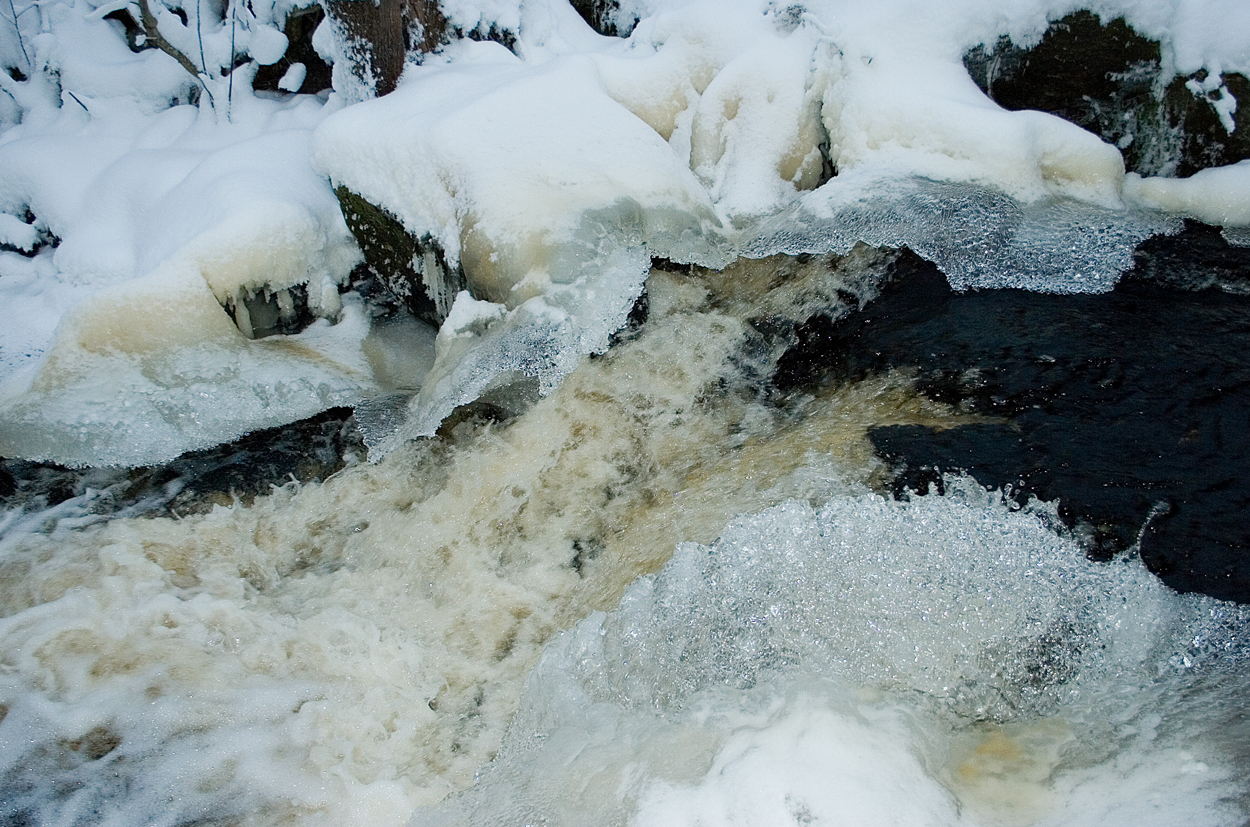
(1131, 408)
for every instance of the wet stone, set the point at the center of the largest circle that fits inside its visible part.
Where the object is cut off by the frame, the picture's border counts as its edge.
(305, 451)
(414, 270)
(1106, 78)
(1131, 408)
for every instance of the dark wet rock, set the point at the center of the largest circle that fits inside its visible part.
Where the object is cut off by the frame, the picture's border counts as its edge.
(1196, 258)
(1109, 80)
(1131, 408)
(414, 270)
(603, 16)
(300, 25)
(305, 451)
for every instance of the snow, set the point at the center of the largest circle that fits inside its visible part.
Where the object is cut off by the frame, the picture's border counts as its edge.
(293, 78)
(267, 45)
(1217, 195)
(551, 174)
(162, 219)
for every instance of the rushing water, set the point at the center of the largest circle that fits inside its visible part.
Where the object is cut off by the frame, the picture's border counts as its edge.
(502, 604)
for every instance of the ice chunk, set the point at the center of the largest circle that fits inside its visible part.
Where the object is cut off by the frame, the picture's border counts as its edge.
(148, 370)
(484, 348)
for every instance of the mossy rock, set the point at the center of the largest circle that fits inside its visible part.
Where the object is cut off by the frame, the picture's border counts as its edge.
(414, 270)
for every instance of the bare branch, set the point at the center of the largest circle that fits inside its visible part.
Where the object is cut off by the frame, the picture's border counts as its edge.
(154, 34)
(18, 29)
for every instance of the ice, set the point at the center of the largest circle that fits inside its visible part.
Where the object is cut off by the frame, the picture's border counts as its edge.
(163, 221)
(139, 376)
(1217, 195)
(979, 237)
(430, 153)
(484, 347)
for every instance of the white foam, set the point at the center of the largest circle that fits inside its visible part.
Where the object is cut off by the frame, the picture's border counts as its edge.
(943, 661)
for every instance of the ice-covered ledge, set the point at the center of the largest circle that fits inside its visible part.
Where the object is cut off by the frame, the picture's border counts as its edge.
(547, 176)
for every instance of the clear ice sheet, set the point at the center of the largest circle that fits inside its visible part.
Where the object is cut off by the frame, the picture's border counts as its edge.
(979, 237)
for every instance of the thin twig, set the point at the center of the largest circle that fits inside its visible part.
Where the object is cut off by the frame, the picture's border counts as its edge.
(80, 103)
(234, 16)
(18, 29)
(154, 34)
(199, 32)
(211, 100)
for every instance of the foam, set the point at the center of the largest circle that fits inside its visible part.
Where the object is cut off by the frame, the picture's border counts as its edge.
(943, 661)
(347, 651)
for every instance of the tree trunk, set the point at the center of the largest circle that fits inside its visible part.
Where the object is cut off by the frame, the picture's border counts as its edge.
(381, 36)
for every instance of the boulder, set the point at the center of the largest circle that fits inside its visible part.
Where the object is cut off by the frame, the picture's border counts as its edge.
(1108, 79)
(414, 270)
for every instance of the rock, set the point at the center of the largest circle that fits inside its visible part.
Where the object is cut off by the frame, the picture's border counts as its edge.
(1108, 79)
(305, 451)
(413, 269)
(1132, 408)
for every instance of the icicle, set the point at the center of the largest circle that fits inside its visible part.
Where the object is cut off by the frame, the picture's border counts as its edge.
(286, 305)
(437, 283)
(330, 304)
(241, 317)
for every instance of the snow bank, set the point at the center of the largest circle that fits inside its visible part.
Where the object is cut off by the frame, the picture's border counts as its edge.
(129, 356)
(550, 174)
